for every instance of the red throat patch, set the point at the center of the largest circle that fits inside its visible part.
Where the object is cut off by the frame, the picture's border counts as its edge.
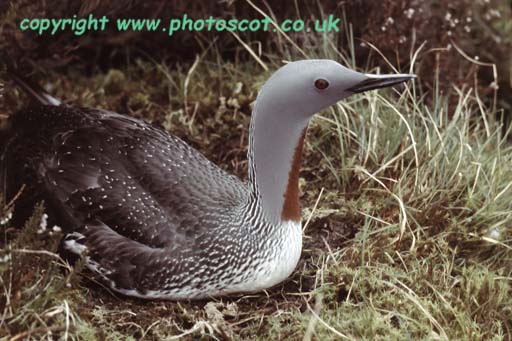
(291, 206)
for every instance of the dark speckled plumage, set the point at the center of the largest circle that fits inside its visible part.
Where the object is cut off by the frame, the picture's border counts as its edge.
(143, 199)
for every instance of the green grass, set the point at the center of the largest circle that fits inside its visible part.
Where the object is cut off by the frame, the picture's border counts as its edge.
(407, 197)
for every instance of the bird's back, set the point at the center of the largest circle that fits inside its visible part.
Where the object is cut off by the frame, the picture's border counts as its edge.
(94, 165)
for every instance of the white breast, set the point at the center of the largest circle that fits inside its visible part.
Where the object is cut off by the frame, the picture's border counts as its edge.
(281, 265)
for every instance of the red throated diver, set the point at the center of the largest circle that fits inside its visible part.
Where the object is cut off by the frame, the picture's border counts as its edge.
(152, 216)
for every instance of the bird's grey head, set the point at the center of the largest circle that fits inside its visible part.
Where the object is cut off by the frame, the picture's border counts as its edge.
(307, 86)
(284, 106)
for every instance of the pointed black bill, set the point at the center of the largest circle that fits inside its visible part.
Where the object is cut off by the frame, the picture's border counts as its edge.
(380, 81)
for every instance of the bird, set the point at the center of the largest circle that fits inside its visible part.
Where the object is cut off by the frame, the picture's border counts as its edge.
(155, 219)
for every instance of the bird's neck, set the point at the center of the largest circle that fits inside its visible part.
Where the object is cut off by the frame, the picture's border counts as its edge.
(275, 149)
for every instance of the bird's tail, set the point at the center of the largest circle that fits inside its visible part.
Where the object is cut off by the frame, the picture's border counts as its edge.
(36, 92)
(38, 95)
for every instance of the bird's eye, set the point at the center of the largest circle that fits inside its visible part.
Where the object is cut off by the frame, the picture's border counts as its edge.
(321, 84)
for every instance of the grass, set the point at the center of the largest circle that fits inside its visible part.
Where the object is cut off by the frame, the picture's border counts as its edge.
(407, 197)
